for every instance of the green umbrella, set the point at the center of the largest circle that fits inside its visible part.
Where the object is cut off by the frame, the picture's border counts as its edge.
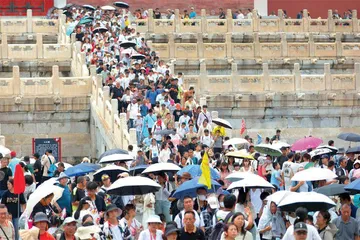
(85, 20)
(268, 150)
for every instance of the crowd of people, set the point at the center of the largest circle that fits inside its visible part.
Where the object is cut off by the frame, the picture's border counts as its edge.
(171, 128)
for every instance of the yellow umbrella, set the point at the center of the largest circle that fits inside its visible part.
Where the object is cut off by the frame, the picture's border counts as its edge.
(240, 154)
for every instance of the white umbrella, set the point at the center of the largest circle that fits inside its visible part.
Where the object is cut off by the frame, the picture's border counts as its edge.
(4, 150)
(235, 141)
(222, 122)
(111, 170)
(319, 152)
(250, 183)
(276, 197)
(314, 174)
(162, 167)
(67, 165)
(279, 144)
(108, 8)
(312, 201)
(89, 7)
(268, 149)
(240, 154)
(129, 51)
(237, 176)
(116, 158)
(334, 150)
(45, 189)
(133, 186)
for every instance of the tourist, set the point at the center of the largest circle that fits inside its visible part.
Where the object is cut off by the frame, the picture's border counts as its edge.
(152, 232)
(190, 231)
(69, 229)
(64, 202)
(348, 227)
(7, 173)
(326, 229)
(42, 222)
(129, 221)
(7, 228)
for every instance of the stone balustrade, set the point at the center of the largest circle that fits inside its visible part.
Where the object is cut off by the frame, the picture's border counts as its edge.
(266, 83)
(256, 49)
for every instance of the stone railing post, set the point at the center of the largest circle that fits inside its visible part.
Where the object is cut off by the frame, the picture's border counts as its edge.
(229, 19)
(355, 21)
(123, 126)
(228, 41)
(16, 80)
(4, 45)
(171, 45)
(133, 139)
(177, 21)
(256, 45)
(311, 45)
(281, 20)
(255, 21)
(151, 21)
(55, 79)
(115, 112)
(203, 101)
(284, 45)
(297, 77)
(357, 76)
(203, 21)
(29, 20)
(106, 91)
(200, 45)
(234, 73)
(203, 77)
(2, 140)
(306, 20)
(39, 45)
(331, 22)
(92, 70)
(338, 45)
(327, 76)
(98, 79)
(266, 77)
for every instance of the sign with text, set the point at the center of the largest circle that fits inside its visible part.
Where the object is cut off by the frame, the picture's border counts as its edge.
(40, 145)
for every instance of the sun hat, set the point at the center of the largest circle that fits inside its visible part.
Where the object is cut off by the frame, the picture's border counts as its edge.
(41, 217)
(112, 207)
(154, 219)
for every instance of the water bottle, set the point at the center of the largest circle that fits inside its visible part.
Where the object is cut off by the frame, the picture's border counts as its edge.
(63, 214)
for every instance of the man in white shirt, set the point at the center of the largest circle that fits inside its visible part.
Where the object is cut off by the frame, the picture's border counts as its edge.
(287, 171)
(189, 206)
(133, 110)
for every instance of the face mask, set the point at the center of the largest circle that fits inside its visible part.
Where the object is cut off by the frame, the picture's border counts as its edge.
(222, 204)
(202, 197)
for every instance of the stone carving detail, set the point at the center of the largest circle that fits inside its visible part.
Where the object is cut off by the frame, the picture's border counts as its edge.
(217, 22)
(243, 48)
(161, 47)
(238, 97)
(270, 47)
(13, 23)
(343, 79)
(191, 80)
(351, 47)
(317, 22)
(313, 79)
(300, 96)
(298, 47)
(37, 82)
(4, 83)
(324, 47)
(18, 100)
(186, 48)
(331, 96)
(57, 48)
(269, 96)
(282, 79)
(293, 22)
(57, 100)
(214, 47)
(250, 79)
(76, 81)
(268, 23)
(164, 23)
(219, 80)
(242, 23)
(19, 48)
(42, 23)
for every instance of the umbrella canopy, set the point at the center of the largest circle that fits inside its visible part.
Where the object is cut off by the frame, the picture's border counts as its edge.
(127, 44)
(81, 169)
(162, 167)
(67, 165)
(45, 189)
(237, 176)
(353, 187)
(137, 170)
(189, 188)
(112, 170)
(164, 132)
(121, 4)
(333, 150)
(129, 51)
(319, 151)
(86, 20)
(138, 56)
(195, 171)
(351, 137)
(268, 150)
(306, 143)
(4, 150)
(250, 183)
(222, 122)
(279, 144)
(133, 186)
(240, 154)
(355, 150)
(312, 201)
(100, 30)
(113, 151)
(89, 7)
(314, 174)
(70, 28)
(276, 197)
(331, 190)
(108, 8)
(116, 158)
(236, 141)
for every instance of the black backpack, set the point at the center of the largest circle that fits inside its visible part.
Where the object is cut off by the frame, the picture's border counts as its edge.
(219, 227)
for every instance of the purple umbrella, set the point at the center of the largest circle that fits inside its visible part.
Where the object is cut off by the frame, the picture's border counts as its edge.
(306, 143)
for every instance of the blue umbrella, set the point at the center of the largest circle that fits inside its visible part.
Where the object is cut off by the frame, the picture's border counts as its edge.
(195, 171)
(81, 169)
(189, 188)
(351, 137)
(353, 187)
(137, 170)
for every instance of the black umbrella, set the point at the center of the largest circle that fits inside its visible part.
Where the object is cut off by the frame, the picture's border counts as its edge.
(222, 122)
(113, 151)
(133, 186)
(127, 44)
(121, 5)
(332, 189)
(137, 56)
(355, 150)
(351, 137)
(111, 170)
(100, 30)
(136, 170)
(89, 7)
(165, 132)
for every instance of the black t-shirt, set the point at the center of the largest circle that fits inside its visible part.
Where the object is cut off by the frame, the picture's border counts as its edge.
(173, 93)
(40, 208)
(183, 149)
(79, 36)
(118, 92)
(5, 173)
(77, 194)
(192, 146)
(100, 204)
(11, 202)
(157, 15)
(281, 160)
(198, 235)
(177, 114)
(37, 165)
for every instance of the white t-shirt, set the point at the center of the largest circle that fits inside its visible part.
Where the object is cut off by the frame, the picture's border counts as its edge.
(145, 235)
(288, 173)
(312, 233)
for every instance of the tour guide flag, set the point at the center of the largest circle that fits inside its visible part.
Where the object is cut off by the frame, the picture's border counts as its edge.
(205, 177)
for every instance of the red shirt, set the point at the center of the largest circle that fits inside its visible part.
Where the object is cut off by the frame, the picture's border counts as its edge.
(46, 236)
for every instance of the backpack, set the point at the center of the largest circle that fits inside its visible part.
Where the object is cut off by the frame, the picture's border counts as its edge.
(219, 227)
(52, 168)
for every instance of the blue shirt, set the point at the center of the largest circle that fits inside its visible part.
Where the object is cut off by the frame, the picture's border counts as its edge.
(12, 164)
(150, 120)
(143, 110)
(65, 200)
(151, 95)
(274, 175)
(192, 14)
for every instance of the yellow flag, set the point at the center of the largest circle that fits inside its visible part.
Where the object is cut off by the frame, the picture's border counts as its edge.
(205, 177)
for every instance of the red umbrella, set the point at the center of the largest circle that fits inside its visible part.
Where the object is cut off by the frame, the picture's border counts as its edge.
(19, 180)
(306, 143)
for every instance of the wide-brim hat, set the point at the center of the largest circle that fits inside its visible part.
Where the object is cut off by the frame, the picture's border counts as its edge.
(62, 175)
(41, 217)
(112, 207)
(87, 232)
(170, 228)
(154, 219)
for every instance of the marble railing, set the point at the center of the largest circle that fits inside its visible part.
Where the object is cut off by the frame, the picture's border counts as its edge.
(266, 83)
(256, 49)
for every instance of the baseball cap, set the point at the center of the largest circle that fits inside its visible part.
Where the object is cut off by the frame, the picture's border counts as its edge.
(213, 202)
(300, 226)
(69, 220)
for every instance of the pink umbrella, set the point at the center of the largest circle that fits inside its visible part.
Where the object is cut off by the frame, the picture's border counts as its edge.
(306, 143)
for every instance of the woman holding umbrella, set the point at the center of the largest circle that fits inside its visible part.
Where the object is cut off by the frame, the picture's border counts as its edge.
(44, 206)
